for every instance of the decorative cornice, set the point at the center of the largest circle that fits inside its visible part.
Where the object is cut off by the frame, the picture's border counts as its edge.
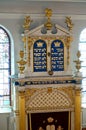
(25, 83)
(71, 0)
(40, 16)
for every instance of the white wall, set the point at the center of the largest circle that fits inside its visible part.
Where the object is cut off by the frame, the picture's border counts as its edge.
(84, 117)
(4, 121)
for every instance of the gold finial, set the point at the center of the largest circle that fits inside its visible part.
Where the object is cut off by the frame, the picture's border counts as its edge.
(78, 62)
(69, 23)
(27, 22)
(21, 62)
(49, 90)
(48, 14)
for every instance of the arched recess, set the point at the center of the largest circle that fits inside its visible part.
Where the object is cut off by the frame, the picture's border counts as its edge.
(49, 100)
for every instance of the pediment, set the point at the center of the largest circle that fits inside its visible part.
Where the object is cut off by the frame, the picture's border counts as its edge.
(61, 31)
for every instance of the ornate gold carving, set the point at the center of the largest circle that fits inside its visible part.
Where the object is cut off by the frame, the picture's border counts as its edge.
(48, 14)
(78, 92)
(66, 92)
(69, 91)
(22, 94)
(21, 62)
(69, 23)
(49, 39)
(27, 22)
(26, 26)
(69, 40)
(78, 62)
(48, 109)
(49, 90)
(29, 93)
(24, 39)
(29, 47)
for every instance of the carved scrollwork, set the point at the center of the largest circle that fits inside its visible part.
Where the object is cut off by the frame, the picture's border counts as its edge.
(69, 23)
(69, 91)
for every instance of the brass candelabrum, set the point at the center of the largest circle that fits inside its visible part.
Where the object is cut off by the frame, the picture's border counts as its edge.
(78, 62)
(21, 63)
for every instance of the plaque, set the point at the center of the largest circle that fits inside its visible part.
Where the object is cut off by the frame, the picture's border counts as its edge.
(39, 56)
(57, 55)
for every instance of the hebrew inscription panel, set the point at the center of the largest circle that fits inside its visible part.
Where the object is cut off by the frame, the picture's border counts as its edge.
(57, 55)
(40, 56)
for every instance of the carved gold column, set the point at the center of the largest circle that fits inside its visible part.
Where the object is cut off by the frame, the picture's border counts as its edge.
(22, 119)
(69, 40)
(78, 109)
(29, 47)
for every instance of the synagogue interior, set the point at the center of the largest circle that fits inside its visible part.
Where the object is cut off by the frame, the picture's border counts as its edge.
(43, 65)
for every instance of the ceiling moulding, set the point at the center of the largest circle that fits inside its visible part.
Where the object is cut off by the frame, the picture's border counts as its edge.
(40, 16)
(58, 0)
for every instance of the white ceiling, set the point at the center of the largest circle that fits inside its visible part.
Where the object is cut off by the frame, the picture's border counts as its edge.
(73, 7)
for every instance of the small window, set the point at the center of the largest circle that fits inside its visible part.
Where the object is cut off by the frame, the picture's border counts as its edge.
(5, 68)
(82, 48)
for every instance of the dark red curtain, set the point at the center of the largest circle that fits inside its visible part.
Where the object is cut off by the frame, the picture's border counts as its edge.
(40, 120)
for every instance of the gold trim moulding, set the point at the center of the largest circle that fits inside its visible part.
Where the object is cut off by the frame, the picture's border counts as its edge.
(49, 109)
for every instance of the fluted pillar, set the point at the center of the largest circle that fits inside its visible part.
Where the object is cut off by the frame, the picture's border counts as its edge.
(78, 109)
(22, 114)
